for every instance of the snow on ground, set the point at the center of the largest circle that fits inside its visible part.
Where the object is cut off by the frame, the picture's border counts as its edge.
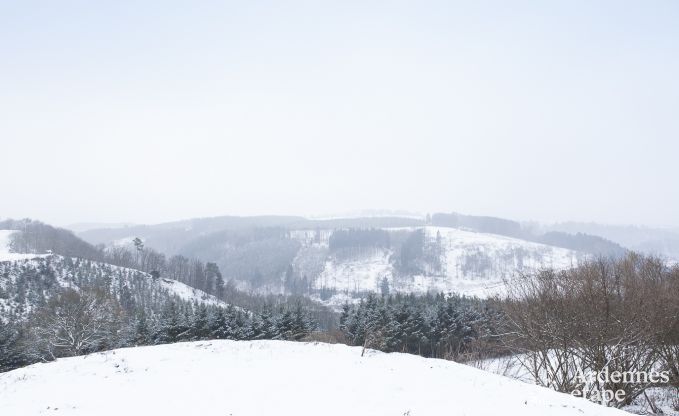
(174, 287)
(125, 242)
(507, 255)
(338, 300)
(664, 397)
(242, 378)
(474, 264)
(356, 274)
(6, 255)
(186, 292)
(66, 279)
(482, 288)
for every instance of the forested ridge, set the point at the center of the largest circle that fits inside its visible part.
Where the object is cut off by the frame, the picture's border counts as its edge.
(54, 307)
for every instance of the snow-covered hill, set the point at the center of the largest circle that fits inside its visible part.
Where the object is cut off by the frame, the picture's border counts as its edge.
(271, 378)
(25, 282)
(6, 253)
(471, 263)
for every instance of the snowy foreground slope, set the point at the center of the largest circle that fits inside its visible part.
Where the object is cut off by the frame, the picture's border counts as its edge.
(271, 378)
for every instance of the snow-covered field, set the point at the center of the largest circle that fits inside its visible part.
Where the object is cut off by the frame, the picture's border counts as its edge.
(472, 264)
(6, 255)
(242, 378)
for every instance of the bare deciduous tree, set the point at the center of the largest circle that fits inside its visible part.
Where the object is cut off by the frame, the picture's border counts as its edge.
(603, 316)
(73, 323)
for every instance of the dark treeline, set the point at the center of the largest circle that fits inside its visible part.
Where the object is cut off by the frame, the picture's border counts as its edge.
(352, 243)
(359, 238)
(440, 326)
(410, 252)
(583, 242)
(416, 253)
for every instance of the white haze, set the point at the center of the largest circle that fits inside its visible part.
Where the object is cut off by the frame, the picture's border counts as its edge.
(123, 112)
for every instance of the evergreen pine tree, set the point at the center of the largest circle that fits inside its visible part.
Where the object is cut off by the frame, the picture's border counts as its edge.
(142, 332)
(219, 328)
(12, 353)
(200, 325)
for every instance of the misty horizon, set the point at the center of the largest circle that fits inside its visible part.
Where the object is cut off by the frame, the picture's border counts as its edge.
(544, 113)
(366, 213)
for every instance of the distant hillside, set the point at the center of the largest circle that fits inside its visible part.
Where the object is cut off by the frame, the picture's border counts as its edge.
(7, 253)
(84, 226)
(590, 243)
(172, 237)
(255, 249)
(481, 224)
(187, 236)
(28, 281)
(585, 243)
(343, 263)
(323, 257)
(39, 238)
(432, 259)
(648, 240)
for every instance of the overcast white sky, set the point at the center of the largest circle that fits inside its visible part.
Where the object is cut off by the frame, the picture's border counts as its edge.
(121, 111)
